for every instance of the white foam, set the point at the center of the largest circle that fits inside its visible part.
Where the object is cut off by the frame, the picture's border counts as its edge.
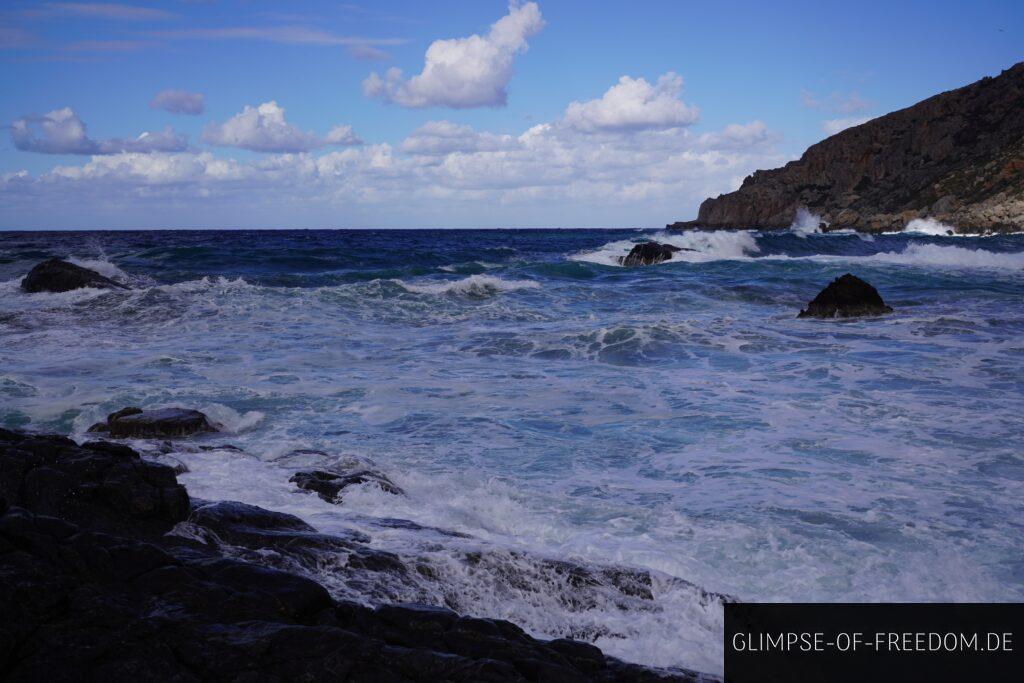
(929, 226)
(231, 420)
(805, 223)
(699, 247)
(473, 286)
(102, 266)
(952, 257)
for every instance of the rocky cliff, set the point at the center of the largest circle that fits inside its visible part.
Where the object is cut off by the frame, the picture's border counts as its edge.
(957, 157)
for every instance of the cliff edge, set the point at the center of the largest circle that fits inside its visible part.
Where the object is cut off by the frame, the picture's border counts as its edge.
(957, 157)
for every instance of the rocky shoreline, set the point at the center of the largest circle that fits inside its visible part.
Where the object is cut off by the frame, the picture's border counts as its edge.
(109, 570)
(956, 158)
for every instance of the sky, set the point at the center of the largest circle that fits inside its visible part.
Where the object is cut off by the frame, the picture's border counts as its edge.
(400, 114)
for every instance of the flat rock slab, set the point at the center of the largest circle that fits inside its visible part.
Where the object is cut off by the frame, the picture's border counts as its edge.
(846, 297)
(58, 275)
(163, 423)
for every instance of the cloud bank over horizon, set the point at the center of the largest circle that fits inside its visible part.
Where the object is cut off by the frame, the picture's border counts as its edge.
(627, 148)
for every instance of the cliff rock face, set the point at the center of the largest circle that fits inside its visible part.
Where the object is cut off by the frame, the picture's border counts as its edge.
(957, 157)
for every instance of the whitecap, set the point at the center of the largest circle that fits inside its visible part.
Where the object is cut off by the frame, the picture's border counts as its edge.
(698, 247)
(478, 286)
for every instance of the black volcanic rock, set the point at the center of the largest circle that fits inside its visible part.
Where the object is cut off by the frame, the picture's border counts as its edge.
(648, 253)
(58, 275)
(846, 297)
(329, 485)
(104, 486)
(957, 157)
(87, 593)
(163, 423)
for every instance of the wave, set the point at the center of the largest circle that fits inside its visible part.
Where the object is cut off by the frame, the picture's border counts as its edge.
(805, 223)
(103, 266)
(474, 286)
(929, 226)
(935, 255)
(699, 247)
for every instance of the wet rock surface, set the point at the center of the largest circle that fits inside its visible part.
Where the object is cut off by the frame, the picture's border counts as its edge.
(58, 275)
(162, 423)
(649, 253)
(91, 587)
(330, 485)
(957, 157)
(846, 297)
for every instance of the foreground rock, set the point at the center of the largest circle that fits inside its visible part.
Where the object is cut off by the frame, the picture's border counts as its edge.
(957, 157)
(90, 589)
(329, 485)
(163, 423)
(649, 253)
(846, 297)
(58, 275)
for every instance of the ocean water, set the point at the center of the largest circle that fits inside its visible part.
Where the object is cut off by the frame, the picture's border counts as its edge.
(552, 407)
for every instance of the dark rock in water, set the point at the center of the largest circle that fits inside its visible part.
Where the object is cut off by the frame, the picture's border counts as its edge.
(648, 253)
(329, 485)
(957, 157)
(58, 275)
(88, 592)
(104, 486)
(846, 297)
(135, 423)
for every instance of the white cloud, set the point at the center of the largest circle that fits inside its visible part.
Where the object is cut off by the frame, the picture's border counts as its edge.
(833, 126)
(738, 136)
(463, 72)
(264, 129)
(635, 104)
(439, 138)
(178, 102)
(62, 132)
(104, 10)
(554, 173)
(849, 103)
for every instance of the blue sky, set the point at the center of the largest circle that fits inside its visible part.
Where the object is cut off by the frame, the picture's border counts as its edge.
(554, 113)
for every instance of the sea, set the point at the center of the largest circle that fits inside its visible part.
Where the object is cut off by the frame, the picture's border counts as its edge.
(570, 419)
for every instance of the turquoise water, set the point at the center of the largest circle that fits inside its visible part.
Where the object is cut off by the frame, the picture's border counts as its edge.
(529, 393)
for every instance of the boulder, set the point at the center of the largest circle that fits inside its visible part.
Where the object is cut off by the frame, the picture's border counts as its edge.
(846, 297)
(163, 423)
(648, 253)
(105, 486)
(58, 275)
(329, 485)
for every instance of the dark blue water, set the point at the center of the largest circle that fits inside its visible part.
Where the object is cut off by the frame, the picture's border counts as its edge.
(524, 389)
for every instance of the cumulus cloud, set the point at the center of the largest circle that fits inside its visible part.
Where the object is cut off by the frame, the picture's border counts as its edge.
(439, 138)
(178, 102)
(463, 72)
(264, 129)
(62, 132)
(833, 126)
(552, 171)
(635, 104)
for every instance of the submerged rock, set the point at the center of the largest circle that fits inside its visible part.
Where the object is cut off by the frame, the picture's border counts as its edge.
(163, 423)
(58, 275)
(846, 297)
(649, 253)
(329, 485)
